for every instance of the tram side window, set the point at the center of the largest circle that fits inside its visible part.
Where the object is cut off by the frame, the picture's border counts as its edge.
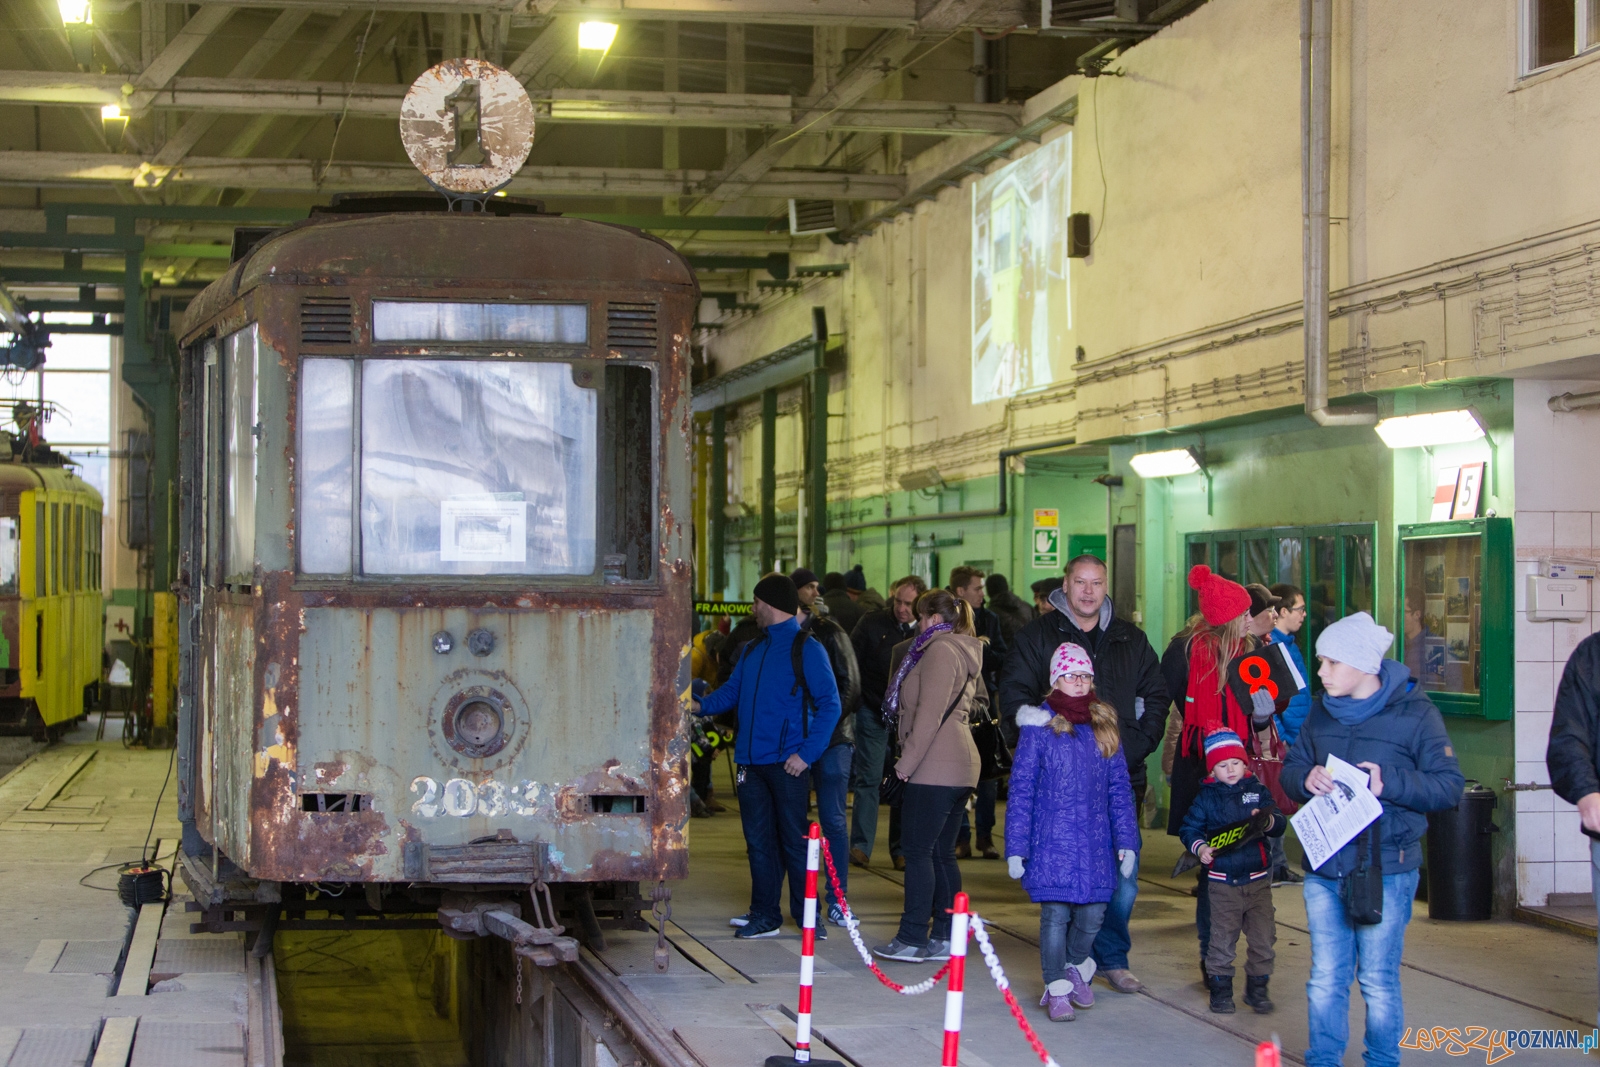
(239, 455)
(10, 555)
(629, 458)
(327, 464)
(55, 549)
(41, 549)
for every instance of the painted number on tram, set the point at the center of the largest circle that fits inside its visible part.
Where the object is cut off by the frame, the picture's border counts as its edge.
(462, 798)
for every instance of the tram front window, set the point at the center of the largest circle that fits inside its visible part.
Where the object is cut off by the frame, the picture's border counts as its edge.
(10, 555)
(463, 467)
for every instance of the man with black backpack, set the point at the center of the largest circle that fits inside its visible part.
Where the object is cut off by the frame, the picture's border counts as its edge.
(788, 703)
(830, 774)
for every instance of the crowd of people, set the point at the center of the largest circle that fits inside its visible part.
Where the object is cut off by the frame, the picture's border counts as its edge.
(936, 702)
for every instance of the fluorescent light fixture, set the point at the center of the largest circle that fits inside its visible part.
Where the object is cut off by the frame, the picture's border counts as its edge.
(1431, 428)
(592, 36)
(75, 12)
(1168, 464)
(112, 113)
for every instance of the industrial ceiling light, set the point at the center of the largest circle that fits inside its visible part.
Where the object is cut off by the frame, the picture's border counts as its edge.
(592, 36)
(75, 12)
(1431, 428)
(1168, 464)
(923, 479)
(113, 121)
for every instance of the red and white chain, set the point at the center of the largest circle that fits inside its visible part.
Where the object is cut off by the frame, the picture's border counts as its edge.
(1002, 983)
(853, 925)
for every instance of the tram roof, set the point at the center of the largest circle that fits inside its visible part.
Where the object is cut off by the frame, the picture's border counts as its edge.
(461, 250)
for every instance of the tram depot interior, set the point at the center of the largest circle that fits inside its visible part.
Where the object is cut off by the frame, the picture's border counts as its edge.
(956, 282)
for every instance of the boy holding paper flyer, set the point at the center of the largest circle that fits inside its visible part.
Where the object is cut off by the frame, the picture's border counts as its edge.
(1371, 716)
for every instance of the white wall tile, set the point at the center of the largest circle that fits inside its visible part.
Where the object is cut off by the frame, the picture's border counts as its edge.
(1558, 805)
(1534, 640)
(1536, 842)
(1535, 883)
(1532, 768)
(1532, 800)
(1573, 878)
(1571, 843)
(1535, 533)
(1532, 734)
(1572, 532)
(1564, 637)
(1534, 691)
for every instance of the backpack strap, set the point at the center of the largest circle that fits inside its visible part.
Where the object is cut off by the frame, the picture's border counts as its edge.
(797, 663)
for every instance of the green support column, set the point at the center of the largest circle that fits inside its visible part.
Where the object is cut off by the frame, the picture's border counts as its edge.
(817, 461)
(717, 504)
(769, 479)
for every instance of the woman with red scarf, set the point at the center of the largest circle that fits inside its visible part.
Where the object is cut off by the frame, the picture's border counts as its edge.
(1217, 636)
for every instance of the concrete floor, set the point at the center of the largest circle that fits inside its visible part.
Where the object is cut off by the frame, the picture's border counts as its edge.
(60, 941)
(729, 1008)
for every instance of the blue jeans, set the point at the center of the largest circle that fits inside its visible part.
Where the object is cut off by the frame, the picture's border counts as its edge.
(831, 777)
(772, 809)
(1112, 944)
(872, 742)
(1066, 932)
(1341, 950)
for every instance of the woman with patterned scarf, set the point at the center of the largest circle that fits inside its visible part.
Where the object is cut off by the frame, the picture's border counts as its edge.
(928, 703)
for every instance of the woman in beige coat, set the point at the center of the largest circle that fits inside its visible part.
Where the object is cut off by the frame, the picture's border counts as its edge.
(931, 697)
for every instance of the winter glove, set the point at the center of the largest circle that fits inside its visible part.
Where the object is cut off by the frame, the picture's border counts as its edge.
(1261, 707)
(1014, 866)
(1127, 858)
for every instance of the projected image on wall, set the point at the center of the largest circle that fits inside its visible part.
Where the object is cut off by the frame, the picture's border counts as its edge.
(1020, 304)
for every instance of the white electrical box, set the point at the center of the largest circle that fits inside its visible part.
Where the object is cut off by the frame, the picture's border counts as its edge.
(1552, 599)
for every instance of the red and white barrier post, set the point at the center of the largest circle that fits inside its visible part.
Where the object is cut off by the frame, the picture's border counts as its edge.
(956, 989)
(808, 951)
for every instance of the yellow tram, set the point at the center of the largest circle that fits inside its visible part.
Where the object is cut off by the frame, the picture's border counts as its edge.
(50, 601)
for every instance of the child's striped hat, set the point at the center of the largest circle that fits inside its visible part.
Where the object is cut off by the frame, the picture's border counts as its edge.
(1222, 745)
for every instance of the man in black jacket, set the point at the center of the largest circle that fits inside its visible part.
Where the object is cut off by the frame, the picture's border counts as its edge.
(967, 583)
(874, 639)
(1127, 676)
(1573, 755)
(830, 774)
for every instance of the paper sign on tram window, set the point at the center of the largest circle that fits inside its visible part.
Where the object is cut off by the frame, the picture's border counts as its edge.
(483, 529)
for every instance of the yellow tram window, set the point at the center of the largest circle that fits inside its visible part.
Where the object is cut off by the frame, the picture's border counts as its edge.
(77, 548)
(55, 549)
(39, 549)
(10, 554)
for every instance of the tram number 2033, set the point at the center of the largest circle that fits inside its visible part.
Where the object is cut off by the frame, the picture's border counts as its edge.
(461, 798)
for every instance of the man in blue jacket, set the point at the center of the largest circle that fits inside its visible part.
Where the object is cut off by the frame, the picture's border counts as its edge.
(785, 724)
(1372, 714)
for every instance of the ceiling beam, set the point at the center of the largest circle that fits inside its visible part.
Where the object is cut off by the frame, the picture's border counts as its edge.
(876, 62)
(189, 40)
(308, 176)
(214, 96)
(879, 13)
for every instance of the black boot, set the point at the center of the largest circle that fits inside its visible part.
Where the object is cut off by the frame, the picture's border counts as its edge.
(1221, 987)
(1255, 993)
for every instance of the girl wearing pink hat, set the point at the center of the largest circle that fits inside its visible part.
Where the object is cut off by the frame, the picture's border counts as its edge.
(1070, 825)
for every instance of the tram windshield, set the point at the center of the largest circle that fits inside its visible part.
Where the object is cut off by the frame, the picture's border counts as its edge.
(463, 467)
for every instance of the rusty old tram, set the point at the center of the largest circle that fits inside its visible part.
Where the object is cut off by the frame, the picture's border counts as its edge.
(434, 567)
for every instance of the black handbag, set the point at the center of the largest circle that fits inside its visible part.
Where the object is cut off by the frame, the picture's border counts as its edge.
(1363, 887)
(893, 788)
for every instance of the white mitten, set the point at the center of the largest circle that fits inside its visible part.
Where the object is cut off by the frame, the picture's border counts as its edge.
(1126, 858)
(1014, 866)
(1030, 715)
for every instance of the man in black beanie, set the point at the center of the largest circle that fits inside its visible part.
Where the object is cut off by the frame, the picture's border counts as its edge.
(785, 724)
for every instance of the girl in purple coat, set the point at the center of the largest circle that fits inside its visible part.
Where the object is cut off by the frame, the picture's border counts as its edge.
(1069, 824)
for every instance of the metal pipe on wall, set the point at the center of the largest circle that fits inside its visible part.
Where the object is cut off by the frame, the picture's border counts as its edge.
(769, 479)
(1316, 128)
(718, 494)
(1574, 401)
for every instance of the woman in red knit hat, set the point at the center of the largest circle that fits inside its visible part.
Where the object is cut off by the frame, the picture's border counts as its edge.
(1218, 636)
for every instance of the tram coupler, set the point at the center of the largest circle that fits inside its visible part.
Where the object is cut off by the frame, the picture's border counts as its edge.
(465, 917)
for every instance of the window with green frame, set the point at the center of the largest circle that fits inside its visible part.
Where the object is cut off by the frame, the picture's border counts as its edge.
(1333, 564)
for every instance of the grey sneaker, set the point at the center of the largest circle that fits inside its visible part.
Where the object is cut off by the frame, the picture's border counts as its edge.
(897, 949)
(742, 920)
(936, 950)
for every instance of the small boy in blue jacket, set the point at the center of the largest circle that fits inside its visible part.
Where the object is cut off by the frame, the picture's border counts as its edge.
(1227, 827)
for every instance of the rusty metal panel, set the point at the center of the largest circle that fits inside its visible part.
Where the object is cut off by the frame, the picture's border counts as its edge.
(573, 687)
(229, 766)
